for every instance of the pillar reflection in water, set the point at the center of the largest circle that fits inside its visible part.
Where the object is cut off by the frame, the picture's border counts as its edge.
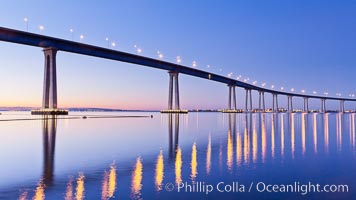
(339, 131)
(326, 132)
(315, 134)
(231, 133)
(292, 140)
(352, 130)
(303, 132)
(173, 139)
(136, 182)
(282, 135)
(208, 156)
(272, 134)
(49, 127)
(263, 138)
(238, 148)
(247, 130)
(254, 140)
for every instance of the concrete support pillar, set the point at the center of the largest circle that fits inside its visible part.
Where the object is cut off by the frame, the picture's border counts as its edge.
(232, 98)
(342, 106)
(177, 93)
(274, 102)
(290, 103)
(323, 105)
(50, 79)
(246, 101)
(173, 89)
(306, 106)
(259, 101)
(263, 102)
(230, 93)
(250, 101)
(248, 108)
(170, 93)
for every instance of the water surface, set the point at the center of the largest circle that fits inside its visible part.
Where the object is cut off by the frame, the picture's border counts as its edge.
(145, 158)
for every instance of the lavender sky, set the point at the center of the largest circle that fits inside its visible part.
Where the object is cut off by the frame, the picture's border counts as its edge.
(306, 45)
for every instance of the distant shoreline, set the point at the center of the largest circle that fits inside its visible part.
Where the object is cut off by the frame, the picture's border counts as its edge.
(23, 109)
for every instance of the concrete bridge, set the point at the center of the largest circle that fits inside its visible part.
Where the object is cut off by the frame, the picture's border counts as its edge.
(51, 46)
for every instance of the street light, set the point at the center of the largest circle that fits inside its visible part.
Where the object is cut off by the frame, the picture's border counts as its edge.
(178, 59)
(326, 93)
(272, 86)
(303, 91)
(282, 88)
(160, 55)
(107, 40)
(41, 28)
(81, 37)
(194, 64)
(314, 92)
(113, 44)
(263, 84)
(292, 90)
(26, 22)
(71, 32)
(138, 49)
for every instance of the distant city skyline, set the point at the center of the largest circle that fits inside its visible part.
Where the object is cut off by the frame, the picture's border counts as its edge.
(299, 46)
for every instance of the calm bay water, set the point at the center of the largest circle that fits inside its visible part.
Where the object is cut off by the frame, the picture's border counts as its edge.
(146, 158)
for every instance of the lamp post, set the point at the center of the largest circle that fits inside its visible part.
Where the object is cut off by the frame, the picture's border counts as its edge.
(26, 22)
(71, 33)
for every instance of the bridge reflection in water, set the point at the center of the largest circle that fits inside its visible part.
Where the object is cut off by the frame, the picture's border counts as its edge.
(250, 140)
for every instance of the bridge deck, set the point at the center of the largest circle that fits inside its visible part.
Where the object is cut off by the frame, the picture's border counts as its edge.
(36, 40)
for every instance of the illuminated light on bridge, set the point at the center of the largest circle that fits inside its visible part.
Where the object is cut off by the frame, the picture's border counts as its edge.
(26, 22)
(272, 86)
(178, 59)
(194, 64)
(302, 91)
(138, 49)
(315, 92)
(71, 30)
(41, 27)
(113, 44)
(292, 90)
(282, 88)
(107, 41)
(263, 84)
(160, 55)
(81, 37)
(254, 82)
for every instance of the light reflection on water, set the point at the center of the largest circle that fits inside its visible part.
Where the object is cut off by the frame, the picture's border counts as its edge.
(254, 146)
(136, 185)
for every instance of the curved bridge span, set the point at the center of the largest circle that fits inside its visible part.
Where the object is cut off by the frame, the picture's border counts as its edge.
(52, 45)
